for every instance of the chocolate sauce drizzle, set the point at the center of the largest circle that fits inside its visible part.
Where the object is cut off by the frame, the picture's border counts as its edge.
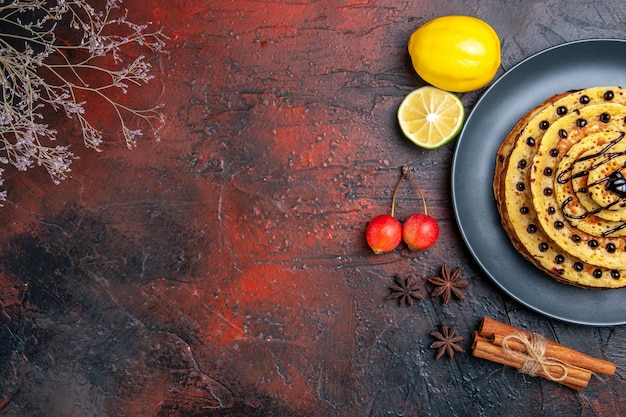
(615, 182)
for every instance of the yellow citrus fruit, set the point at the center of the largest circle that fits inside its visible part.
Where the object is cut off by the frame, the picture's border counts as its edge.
(455, 53)
(431, 117)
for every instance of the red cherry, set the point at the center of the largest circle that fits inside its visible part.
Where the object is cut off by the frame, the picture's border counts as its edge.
(384, 233)
(420, 231)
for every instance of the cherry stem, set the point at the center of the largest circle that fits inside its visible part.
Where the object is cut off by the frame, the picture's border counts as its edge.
(419, 190)
(395, 192)
(406, 172)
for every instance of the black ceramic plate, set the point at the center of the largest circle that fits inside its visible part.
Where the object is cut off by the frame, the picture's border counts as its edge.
(565, 67)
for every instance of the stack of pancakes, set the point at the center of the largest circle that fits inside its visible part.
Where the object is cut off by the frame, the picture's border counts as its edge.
(560, 187)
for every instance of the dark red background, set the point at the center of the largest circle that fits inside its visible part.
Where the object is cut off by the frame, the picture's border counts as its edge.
(223, 271)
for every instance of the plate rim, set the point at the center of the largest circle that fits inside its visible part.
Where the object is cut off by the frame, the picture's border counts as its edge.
(484, 98)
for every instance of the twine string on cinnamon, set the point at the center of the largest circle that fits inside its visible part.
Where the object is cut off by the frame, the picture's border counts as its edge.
(533, 354)
(535, 358)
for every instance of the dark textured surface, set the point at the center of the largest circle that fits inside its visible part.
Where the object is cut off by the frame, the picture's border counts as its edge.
(223, 270)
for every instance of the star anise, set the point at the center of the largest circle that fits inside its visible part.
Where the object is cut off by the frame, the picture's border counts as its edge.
(446, 342)
(406, 290)
(448, 283)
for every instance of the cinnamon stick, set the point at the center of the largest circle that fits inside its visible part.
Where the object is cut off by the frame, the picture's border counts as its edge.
(495, 331)
(574, 378)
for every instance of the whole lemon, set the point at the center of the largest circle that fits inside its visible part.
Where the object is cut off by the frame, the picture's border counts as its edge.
(455, 53)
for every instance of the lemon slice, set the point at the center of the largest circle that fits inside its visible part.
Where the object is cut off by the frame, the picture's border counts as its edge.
(431, 117)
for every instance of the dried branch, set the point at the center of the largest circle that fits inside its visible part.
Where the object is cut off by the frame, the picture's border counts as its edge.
(41, 71)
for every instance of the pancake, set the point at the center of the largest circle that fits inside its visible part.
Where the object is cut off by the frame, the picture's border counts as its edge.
(560, 190)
